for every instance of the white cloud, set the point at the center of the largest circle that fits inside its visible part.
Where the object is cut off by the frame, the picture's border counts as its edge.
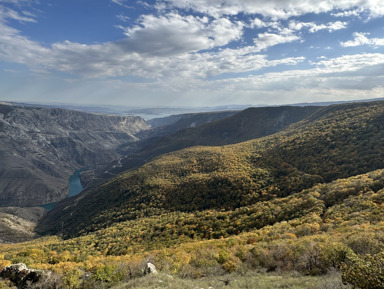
(224, 31)
(181, 54)
(338, 25)
(173, 34)
(355, 12)
(361, 38)
(337, 73)
(122, 3)
(258, 23)
(350, 63)
(123, 59)
(18, 2)
(353, 76)
(266, 40)
(277, 9)
(313, 27)
(7, 13)
(123, 18)
(230, 61)
(19, 49)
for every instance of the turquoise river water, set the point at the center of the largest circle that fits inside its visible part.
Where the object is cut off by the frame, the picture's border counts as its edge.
(75, 188)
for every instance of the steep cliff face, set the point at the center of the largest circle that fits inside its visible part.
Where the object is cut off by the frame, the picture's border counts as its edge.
(40, 148)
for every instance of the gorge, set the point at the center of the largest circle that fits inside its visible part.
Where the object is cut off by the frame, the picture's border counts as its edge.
(41, 148)
(75, 187)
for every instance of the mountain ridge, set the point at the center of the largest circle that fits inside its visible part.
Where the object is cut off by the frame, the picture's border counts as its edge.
(236, 127)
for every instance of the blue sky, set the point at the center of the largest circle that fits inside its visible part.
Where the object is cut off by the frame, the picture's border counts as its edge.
(191, 52)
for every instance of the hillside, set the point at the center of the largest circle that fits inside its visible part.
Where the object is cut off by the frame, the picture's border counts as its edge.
(232, 213)
(208, 129)
(40, 148)
(337, 141)
(134, 153)
(173, 123)
(326, 228)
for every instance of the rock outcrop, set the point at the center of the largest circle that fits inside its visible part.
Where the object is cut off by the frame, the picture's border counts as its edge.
(22, 276)
(40, 148)
(150, 269)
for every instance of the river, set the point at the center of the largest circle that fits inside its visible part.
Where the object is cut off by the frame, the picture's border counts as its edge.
(75, 188)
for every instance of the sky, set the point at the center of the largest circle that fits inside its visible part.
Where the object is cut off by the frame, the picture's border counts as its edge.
(191, 52)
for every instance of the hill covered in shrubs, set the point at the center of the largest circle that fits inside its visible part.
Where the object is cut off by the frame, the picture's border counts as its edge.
(308, 199)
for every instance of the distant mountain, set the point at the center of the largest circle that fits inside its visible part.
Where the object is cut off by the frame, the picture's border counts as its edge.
(40, 148)
(173, 123)
(145, 112)
(150, 113)
(215, 128)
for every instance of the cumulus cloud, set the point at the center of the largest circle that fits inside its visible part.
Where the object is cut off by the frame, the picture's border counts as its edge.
(361, 38)
(179, 51)
(330, 79)
(113, 59)
(276, 9)
(173, 34)
(258, 23)
(350, 63)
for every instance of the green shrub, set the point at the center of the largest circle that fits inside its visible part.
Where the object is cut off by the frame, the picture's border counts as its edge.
(364, 272)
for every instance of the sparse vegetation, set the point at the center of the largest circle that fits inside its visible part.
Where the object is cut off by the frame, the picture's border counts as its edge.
(251, 281)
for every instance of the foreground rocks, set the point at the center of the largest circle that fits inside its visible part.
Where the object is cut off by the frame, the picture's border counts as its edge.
(150, 269)
(22, 276)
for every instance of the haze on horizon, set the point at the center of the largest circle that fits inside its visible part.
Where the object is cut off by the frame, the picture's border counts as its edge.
(191, 53)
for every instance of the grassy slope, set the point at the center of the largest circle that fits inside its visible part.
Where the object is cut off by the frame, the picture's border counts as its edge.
(237, 281)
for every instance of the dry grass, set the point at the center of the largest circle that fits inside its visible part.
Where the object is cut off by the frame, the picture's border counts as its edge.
(235, 281)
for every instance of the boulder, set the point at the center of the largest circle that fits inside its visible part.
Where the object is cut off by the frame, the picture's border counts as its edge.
(21, 275)
(150, 269)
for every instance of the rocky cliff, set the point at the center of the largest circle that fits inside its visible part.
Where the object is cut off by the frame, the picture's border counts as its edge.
(40, 148)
